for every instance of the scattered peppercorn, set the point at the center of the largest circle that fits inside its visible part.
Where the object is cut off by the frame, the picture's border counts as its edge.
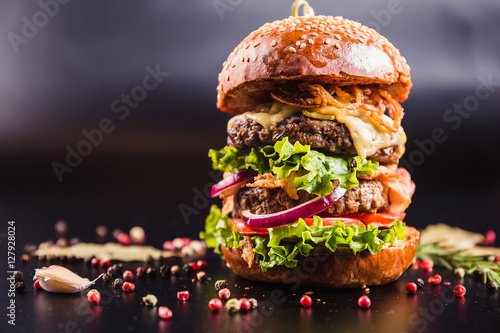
(25, 258)
(427, 265)
(491, 286)
(245, 304)
(164, 312)
(61, 227)
(202, 265)
(128, 287)
(107, 277)
(94, 261)
(306, 301)
(105, 263)
(215, 304)
(420, 283)
(175, 270)
(164, 270)
(101, 231)
(220, 284)
(188, 269)
(140, 271)
(233, 305)
(364, 302)
(19, 286)
(478, 274)
(168, 246)
(128, 275)
(436, 279)
(411, 287)
(37, 285)
(18, 276)
(459, 271)
(123, 239)
(224, 293)
(94, 296)
(118, 267)
(117, 283)
(151, 272)
(183, 295)
(459, 290)
(201, 276)
(253, 303)
(489, 237)
(150, 300)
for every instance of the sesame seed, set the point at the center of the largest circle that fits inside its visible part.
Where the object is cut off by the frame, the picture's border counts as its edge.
(303, 45)
(328, 41)
(311, 41)
(273, 43)
(327, 33)
(293, 49)
(337, 46)
(227, 77)
(242, 58)
(246, 47)
(315, 34)
(337, 36)
(308, 27)
(247, 59)
(361, 40)
(282, 29)
(303, 36)
(233, 65)
(298, 43)
(256, 44)
(300, 29)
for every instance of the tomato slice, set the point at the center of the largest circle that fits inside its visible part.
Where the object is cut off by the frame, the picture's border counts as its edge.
(380, 219)
(383, 220)
(243, 229)
(331, 221)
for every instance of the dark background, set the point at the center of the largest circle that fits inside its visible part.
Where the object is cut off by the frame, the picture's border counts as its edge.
(64, 79)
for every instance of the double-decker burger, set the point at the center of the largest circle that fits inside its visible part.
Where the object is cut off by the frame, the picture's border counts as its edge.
(312, 193)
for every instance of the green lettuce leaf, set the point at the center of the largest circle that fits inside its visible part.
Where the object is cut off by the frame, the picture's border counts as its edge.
(283, 158)
(285, 243)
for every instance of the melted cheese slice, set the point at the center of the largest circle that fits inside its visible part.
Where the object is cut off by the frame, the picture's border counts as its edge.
(367, 135)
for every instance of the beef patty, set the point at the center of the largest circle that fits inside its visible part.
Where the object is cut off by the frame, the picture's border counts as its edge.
(370, 196)
(326, 135)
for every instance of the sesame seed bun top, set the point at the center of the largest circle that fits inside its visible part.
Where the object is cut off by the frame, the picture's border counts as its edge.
(316, 49)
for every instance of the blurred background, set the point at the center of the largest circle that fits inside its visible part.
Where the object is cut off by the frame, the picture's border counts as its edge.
(72, 67)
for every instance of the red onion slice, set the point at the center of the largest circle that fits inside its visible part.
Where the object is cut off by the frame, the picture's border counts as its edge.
(232, 181)
(307, 209)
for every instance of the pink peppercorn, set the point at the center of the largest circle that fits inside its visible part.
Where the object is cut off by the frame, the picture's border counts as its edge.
(364, 302)
(245, 304)
(427, 265)
(215, 304)
(489, 237)
(411, 287)
(186, 241)
(164, 312)
(94, 297)
(105, 263)
(459, 290)
(194, 265)
(94, 261)
(124, 239)
(128, 275)
(306, 301)
(416, 264)
(436, 279)
(128, 287)
(168, 246)
(140, 271)
(37, 285)
(183, 295)
(202, 265)
(224, 293)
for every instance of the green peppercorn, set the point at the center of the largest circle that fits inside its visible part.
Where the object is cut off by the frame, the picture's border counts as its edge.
(233, 305)
(220, 284)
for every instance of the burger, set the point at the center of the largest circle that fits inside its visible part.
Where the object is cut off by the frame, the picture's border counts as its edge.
(311, 191)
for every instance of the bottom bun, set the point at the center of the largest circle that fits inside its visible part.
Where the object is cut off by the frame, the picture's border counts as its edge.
(339, 269)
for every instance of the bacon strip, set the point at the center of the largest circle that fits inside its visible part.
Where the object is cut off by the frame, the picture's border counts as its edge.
(401, 188)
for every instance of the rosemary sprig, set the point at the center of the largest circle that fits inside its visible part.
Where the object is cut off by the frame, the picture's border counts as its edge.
(452, 258)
